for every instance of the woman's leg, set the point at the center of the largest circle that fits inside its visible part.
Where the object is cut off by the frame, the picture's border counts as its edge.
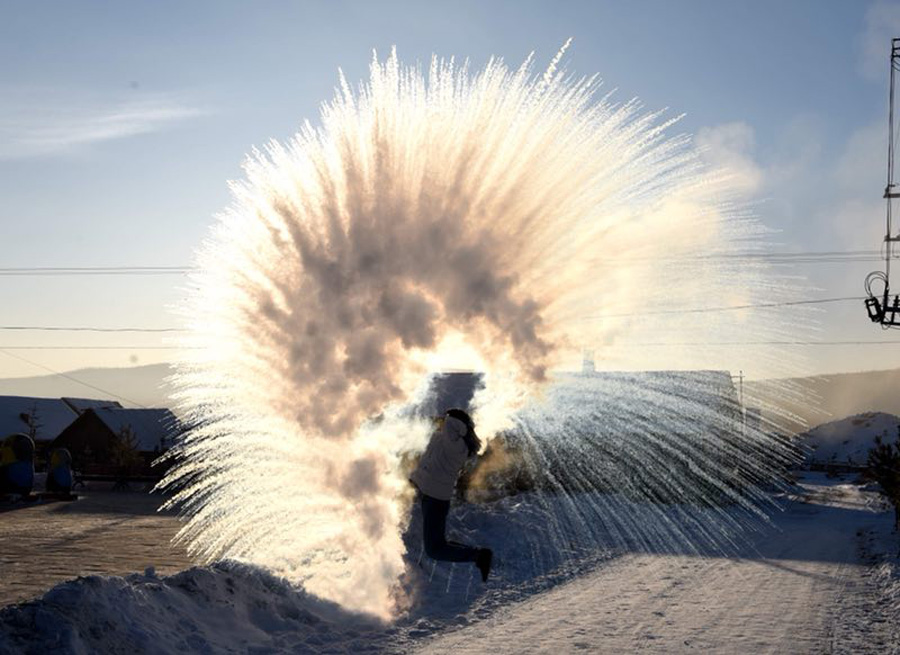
(434, 526)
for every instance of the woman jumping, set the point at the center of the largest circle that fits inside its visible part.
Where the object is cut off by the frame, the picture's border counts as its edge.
(435, 479)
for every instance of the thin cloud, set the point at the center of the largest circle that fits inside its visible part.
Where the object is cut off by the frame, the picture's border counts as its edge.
(44, 124)
(729, 148)
(882, 23)
(860, 169)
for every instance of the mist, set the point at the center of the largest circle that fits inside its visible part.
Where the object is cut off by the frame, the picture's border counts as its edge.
(499, 220)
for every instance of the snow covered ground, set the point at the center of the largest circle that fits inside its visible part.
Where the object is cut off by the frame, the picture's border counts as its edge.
(821, 579)
(808, 586)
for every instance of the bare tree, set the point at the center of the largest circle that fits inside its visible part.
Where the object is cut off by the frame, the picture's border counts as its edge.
(33, 421)
(125, 455)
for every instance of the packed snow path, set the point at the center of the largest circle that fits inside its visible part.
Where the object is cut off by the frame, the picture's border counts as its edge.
(822, 580)
(800, 589)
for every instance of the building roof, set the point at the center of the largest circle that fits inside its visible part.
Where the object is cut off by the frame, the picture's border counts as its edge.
(51, 415)
(672, 401)
(711, 388)
(81, 404)
(153, 429)
(701, 387)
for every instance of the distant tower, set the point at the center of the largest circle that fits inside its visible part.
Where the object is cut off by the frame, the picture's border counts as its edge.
(587, 364)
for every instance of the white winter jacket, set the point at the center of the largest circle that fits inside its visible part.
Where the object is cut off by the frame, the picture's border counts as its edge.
(442, 461)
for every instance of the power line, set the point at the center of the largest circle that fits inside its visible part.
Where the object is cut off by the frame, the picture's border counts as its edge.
(100, 347)
(652, 343)
(766, 343)
(95, 270)
(803, 257)
(72, 379)
(728, 308)
(60, 328)
(91, 268)
(698, 310)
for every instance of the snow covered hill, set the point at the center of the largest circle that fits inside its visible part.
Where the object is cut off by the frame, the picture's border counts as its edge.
(848, 440)
(800, 403)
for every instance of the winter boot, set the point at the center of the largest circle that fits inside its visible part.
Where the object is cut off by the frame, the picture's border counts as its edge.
(483, 562)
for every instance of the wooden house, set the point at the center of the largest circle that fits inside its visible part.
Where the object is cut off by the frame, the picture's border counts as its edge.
(116, 441)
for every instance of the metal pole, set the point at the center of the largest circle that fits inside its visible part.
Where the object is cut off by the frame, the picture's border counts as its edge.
(889, 189)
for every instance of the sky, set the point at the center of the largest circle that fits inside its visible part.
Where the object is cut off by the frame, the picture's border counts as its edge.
(121, 123)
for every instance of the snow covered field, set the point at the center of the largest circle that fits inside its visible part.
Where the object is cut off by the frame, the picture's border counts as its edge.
(820, 579)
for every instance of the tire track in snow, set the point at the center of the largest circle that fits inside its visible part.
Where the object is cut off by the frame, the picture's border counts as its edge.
(799, 589)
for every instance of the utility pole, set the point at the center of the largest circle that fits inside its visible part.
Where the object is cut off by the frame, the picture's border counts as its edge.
(879, 306)
(740, 380)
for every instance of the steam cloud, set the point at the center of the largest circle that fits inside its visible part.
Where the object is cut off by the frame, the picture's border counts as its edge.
(447, 220)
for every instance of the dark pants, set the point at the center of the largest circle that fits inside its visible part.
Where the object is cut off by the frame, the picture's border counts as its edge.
(434, 525)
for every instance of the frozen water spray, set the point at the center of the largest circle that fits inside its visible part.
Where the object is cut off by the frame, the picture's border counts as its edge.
(499, 220)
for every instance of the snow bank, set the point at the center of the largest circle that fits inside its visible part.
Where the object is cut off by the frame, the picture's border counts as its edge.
(237, 607)
(228, 607)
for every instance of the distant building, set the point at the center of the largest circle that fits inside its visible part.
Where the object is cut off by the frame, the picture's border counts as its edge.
(587, 363)
(95, 437)
(80, 405)
(40, 418)
(43, 419)
(614, 432)
(713, 391)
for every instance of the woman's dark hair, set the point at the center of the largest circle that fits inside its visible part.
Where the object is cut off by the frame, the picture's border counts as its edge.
(472, 441)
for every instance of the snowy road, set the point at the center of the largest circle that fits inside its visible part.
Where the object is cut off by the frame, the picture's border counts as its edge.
(802, 589)
(821, 580)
